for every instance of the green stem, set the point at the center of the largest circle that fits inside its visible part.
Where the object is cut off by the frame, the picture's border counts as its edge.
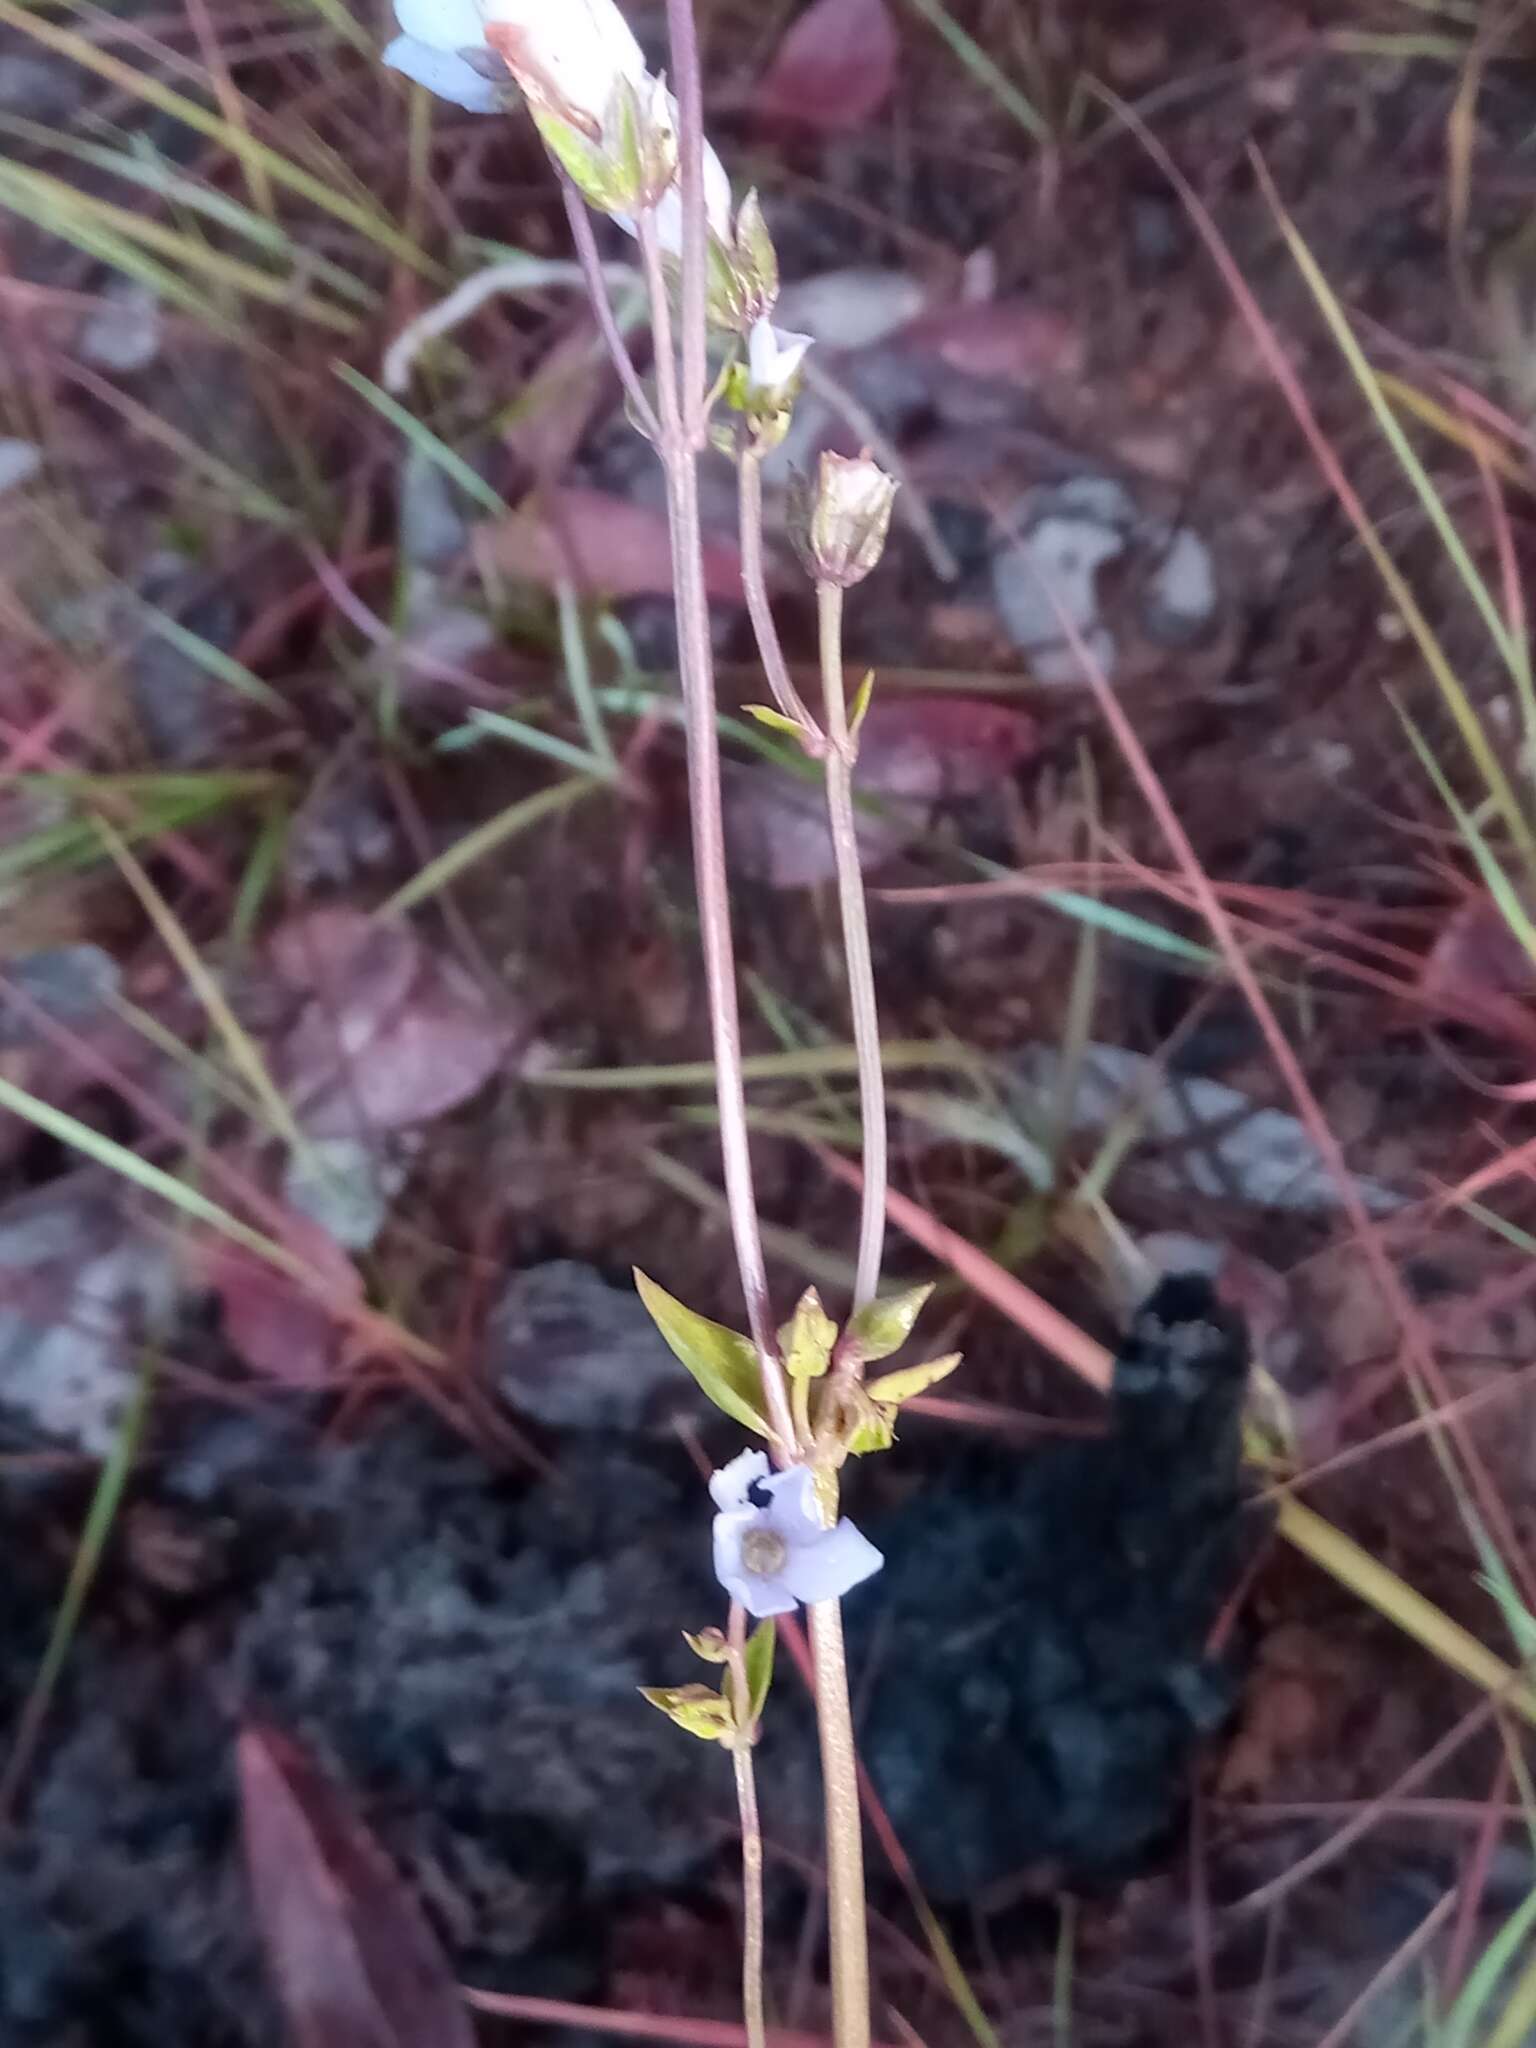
(845, 1838)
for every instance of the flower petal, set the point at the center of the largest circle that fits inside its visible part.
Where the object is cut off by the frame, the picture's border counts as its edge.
(568, 54)
(444, 72)
(442, 24)
(758, 1594)
(728, 1487)
(717, 207)
(832, 1564)
(792, 1509)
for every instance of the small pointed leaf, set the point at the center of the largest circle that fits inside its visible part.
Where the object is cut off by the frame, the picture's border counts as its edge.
(760, 1646)
(892, 1388)
(723, 1363)
(884, 1326)
(866, 690)
(806, 1340)
(695, 1709)
(875, 1431)
(775, 720)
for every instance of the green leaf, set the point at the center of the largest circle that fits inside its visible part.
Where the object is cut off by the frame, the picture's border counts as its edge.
(892, 1388)
(766, 715)
(695, 1709)
(874, 1431)
(806, 1340)
(756, 256)
(709, 1644)
(723, 1363)
(760, 1645)
(884, 1326)
(866, 690)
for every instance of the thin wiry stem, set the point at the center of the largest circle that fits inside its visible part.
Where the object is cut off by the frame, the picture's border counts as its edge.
(856, 951)
(696, 665)
(591, 262)
(844, 1825)
(683, 37)
(754, 583)
(751, 1839)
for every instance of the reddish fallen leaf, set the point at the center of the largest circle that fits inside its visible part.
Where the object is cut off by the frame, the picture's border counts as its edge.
(393, 1032)
(352, 1957)
(834, 69)
(1014, 341)
(275, 1323)
(1478, 968)
(603, 545)
(914, 753)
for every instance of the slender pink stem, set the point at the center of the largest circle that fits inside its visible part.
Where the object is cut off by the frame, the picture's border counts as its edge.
(585, 243)
(862, 1006)
(754, 583)
(683, 36)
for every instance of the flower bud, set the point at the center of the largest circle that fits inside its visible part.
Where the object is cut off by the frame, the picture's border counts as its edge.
(839, 523)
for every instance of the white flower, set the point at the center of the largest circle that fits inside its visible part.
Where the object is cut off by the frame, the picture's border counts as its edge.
(669, 208)
(774, 359)
(771, 1548)
(567, 55)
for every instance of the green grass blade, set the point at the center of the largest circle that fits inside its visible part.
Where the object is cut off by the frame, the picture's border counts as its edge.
(129, 78)
(986, 73)
(100, 1517)
(486, 838)
(422, 437)
(803, 1063)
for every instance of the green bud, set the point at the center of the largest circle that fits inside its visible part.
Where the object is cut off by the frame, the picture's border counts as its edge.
(695, 1709)
(710, 1644)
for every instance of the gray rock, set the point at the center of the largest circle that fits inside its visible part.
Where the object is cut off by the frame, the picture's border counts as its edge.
(1181, 595)
(80, 1287)
(1067, 532)
(40, 88)
(70, 984)
(568, 1350)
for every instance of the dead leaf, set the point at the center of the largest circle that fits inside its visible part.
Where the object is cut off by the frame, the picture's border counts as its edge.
(914, 753)
(605, 546)
(1011, 341)
(278, 1326)
(352, 1957)
(834, 68)
(393, 1034)
(1478, 968)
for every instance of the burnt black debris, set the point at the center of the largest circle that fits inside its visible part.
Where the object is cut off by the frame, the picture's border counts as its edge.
(460, 1652)
(1042, 1677)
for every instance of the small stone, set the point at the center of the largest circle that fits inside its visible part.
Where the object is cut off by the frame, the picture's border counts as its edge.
(346, 1186)
(69, 984)
(1050, 574)
(1181, 594)
(123, 334)
(574, 1353)
(20, 461)
(40, 88)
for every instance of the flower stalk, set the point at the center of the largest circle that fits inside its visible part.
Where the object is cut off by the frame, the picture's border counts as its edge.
(842, 751)
(752, 2011)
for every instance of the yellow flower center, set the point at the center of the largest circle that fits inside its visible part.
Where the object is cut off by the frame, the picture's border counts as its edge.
(764, 1552)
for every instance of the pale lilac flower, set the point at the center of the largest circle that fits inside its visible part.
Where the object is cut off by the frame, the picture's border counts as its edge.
(567, 55)
(771, 1548)
(442, 46)
(774, 359)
